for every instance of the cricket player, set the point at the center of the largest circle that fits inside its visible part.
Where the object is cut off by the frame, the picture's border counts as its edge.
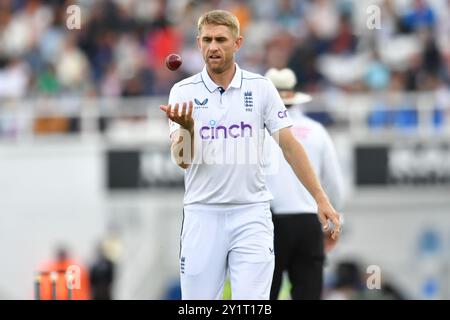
(217, 120)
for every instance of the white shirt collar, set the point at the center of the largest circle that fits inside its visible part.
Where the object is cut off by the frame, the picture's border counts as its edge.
(236, 82)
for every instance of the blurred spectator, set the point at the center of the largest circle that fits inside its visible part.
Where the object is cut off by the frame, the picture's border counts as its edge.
(111, 85)
(377, 76)
(242, 11)
(420, 16)
(389, 20)
(72, 66)
(303, 61)
(14, 78)
(60, 264)
(323, 19)
(162, 41)
(52, 40)
(350, 284)
(127, 53)
(102, 276)
(288, 17)
(24, 28)
(278, 49)
(47, 83)
(345, 41)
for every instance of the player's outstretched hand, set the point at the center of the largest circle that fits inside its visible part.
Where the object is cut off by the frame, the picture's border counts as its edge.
(183, 118)
(329, 219)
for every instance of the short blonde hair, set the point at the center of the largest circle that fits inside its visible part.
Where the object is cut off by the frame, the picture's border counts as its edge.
(220, 18)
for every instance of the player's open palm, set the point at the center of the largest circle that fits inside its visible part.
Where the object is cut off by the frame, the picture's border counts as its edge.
(327, 213)
(183, 118)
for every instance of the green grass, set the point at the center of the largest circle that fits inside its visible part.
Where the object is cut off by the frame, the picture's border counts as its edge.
(284, 292)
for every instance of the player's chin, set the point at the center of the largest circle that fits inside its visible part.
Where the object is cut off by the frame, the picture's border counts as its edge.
(215, 66)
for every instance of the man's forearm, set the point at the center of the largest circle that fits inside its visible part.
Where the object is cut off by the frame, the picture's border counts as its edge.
(295, 154)
(299, 161)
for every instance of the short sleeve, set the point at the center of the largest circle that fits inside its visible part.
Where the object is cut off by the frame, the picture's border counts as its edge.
(275, 113)
(173, 98)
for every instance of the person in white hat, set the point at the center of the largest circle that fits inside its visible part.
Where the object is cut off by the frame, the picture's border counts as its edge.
(299, 239)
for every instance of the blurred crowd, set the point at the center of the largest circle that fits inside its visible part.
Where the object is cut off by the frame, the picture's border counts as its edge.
(121, 45)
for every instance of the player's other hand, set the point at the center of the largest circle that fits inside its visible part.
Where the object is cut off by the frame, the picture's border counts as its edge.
(183, 117)
(328, 241)
(329, 219)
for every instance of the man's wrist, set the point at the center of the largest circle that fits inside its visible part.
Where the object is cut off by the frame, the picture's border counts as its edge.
(321, 198)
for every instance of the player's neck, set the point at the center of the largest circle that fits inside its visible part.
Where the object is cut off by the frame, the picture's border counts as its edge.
(223, 79)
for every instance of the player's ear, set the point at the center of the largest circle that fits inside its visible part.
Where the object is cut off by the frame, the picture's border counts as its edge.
(238, 43)
(198, 42)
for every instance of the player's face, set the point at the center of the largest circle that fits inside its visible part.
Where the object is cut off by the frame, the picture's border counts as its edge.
(218, 46)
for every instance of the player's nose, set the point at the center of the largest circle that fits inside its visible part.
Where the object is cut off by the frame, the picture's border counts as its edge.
(213, 47)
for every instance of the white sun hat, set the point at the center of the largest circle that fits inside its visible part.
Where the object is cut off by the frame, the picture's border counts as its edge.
(285, 81)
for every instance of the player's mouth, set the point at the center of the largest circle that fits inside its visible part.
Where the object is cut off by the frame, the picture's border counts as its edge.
(214, 58)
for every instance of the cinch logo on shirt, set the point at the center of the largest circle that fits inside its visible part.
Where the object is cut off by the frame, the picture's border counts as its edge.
(234, 131)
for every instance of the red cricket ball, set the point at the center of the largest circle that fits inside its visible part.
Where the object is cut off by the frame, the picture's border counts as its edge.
(173, 61)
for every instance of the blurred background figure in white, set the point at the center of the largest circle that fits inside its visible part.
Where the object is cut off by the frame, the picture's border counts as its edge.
(300, 243)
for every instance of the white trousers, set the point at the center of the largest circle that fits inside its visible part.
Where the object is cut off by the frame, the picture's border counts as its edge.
(221, 239)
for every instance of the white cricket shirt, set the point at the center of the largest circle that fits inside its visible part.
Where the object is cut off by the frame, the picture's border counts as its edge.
(229, 136)
(289, 194)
